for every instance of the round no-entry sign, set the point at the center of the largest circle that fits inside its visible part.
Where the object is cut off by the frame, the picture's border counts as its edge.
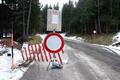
(53, 43)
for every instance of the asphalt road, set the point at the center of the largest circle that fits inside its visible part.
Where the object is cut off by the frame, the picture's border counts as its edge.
(85, 62)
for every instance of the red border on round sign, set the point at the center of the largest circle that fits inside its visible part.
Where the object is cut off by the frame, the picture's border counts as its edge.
(53, 34)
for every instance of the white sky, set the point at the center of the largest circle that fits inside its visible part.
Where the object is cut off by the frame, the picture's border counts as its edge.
(52, 2)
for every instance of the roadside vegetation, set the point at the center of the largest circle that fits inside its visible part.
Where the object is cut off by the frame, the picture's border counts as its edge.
(35, 40)
(103, 39)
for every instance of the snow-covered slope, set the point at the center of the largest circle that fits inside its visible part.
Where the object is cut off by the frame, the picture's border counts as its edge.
(72, 37)
(115, 46)
(6, 73)
(116, 38)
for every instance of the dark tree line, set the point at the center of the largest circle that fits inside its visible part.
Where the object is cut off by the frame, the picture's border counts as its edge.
(87, 15)
(28, 17)
(23, 17)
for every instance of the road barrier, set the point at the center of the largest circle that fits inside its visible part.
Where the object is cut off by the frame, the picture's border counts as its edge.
(37, 52)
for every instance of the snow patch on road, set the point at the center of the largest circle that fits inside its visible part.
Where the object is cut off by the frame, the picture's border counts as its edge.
(75, 38)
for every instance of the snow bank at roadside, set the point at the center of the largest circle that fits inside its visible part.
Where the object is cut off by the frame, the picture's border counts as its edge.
(72, 37)
(6, 73)
(115, 46)
(116, 38)
(66, 37)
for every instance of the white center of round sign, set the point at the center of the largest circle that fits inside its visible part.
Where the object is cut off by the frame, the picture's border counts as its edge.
(53, 43)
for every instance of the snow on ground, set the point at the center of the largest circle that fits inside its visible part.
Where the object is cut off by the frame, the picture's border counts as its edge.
(116, 39)
(43, 36)
(72, 37)
(114, 48)
(75, 38)
(6, 72)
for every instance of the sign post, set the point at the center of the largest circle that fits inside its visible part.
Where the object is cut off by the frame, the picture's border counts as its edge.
(54, 42)
(12, 52)
(94, 32)
(12, 44)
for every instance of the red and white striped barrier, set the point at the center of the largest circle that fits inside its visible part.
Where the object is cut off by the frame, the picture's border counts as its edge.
(37, 52)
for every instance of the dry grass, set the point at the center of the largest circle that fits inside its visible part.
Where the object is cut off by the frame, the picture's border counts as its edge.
(35, 40)
(104, 39)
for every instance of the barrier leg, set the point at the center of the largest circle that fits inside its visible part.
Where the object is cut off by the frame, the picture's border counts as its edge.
(33, 53)
(40, 52)
(29, 52)
(45, 53)
(37, 52)
(22, 55)
(60, 58)
(26, 54)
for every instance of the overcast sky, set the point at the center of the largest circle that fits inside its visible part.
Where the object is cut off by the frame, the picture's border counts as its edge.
(52, 2)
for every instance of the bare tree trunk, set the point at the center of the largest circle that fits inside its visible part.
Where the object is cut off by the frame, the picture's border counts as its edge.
(85, 28)
(99, 26)
(96, 25)
(117, 28)
(69, 28)
(23, 19)
(106, 28)
(117, 25)
(111, 9)
(28, 21)
(70, 20)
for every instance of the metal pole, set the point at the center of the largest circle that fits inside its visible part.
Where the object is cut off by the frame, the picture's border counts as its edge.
(94, 36)
(12, 48)
(12, 40)
(12, 43)
(51, 61)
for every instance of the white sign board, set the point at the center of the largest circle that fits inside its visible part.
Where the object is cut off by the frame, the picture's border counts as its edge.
(53, 20)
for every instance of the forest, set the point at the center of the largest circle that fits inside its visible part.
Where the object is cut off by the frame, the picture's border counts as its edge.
(28, 17)
(88, 15)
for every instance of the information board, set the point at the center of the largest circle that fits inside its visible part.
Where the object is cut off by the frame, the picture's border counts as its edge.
(53, 20)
